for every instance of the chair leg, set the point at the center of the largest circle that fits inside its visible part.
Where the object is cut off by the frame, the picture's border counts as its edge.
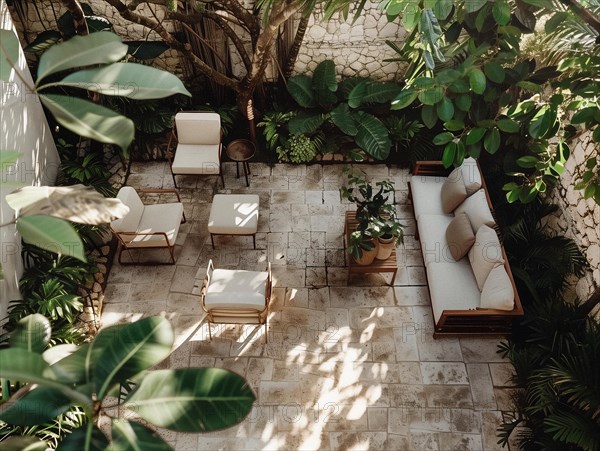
(209, 331)
(266, 333)
(212, 240)
(171, 248)
(254, 240)
(222, 179)
(174, 181)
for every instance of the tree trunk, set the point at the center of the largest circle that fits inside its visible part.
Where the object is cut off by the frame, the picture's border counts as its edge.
(293, 54)
(76, 11)
(591, 303)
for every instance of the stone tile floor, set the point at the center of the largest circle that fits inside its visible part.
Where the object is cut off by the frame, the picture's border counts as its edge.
(349, 364)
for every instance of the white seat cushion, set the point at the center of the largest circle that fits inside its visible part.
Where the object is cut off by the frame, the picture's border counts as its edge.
(452, 286)
(236, 289)
(234, 214)
(157, 218)
(129, 222)
(196, 159)
(432, 234)
(427, 195)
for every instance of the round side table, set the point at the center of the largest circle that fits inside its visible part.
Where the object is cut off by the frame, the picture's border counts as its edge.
(240, 151)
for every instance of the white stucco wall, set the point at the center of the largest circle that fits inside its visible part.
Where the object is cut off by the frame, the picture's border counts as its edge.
(25, 129)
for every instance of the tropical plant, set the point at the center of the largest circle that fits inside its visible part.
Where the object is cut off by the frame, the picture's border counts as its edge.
(540, 260)
(556, 362)
(342, 105)
(297, 149)
(468, 73)
(99, 54)
(184, 400)
(369, 202)
(361, 241)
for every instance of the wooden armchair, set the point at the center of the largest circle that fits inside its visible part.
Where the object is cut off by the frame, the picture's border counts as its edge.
(148, 226)
(236, 296)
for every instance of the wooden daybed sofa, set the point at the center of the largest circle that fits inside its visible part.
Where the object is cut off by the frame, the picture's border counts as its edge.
(470, 283)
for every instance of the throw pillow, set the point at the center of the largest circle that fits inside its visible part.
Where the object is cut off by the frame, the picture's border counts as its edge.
(485, 254)
(459, 236)
(477, 209)
(497, 290)
(453, 191)
(471, 176)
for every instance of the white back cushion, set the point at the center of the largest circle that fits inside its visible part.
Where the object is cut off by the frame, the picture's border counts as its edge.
(497, 292)
(477, 209)
(485, 254)
(129, 222)
(471, 175)
(198, 128)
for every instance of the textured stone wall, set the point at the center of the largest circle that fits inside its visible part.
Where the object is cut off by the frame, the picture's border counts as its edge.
(357, 48)
(579, 218)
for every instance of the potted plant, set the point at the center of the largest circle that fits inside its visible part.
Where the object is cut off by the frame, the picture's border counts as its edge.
(370, 201)
(389, 233)
(374, 213)
(363, 247)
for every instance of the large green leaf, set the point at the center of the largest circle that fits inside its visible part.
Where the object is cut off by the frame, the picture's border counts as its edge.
(501, 12)
(9, 53)
(379, 93)
(52, 234)
(192, 399)
(80, 51)
(300, 88)
(474, 5)
(477, 81)
(37, 407)
(24, 366)
(372, 136)
(90, 120)
(324, 77)
(405, 98)
(136, 347)
(131, 436)
(305, 122)
(445, 109)
(77, 440)
(131, 80)
(146, 50)
(24, 443)
(31, 333)
(43, 41)
(344, 120)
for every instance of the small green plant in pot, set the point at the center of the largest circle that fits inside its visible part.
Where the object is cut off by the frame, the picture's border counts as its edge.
(370, 201)
(390, 233)
(363, 246)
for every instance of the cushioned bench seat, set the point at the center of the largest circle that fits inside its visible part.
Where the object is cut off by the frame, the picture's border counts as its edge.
(470, 283)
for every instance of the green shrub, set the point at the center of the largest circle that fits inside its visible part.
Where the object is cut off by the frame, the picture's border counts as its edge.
(297, 149)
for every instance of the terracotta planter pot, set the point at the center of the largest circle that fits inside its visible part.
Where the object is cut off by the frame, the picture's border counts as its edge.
(385, 248)
(368, 257)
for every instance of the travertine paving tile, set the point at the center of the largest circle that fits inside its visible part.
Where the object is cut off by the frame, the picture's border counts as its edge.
(350, 363)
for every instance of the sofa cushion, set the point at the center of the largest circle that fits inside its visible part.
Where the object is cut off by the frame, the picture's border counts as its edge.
(426, 195)
(477, 209)
(234, 214)
(453, 191)
(497, 292)
(459, 236)
(432, 234)
(129, 222)
(471, 176)
(452, 286)
(197, 159)
(485, 254)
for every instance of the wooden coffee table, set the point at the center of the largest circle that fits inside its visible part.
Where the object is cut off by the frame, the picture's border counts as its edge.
(389, 265)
